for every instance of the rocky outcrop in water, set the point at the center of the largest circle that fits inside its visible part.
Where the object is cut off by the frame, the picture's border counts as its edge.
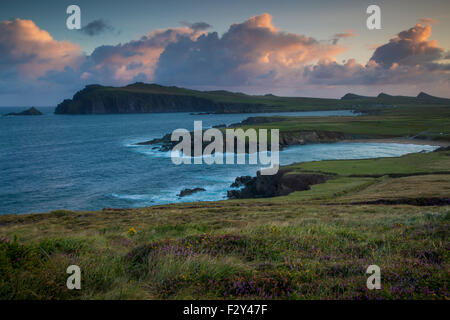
(29, 112)
(280, 184)
(188, 192)
(241, 181)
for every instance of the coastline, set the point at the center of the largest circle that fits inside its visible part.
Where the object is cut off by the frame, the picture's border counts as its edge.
(305, 138)
(290, 134)
(267, 181)
(438, 143)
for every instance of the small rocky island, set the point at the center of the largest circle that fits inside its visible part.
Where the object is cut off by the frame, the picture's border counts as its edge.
(188, 192)
(29, 112)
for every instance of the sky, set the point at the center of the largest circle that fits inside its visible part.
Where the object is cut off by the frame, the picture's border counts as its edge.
(285, 47)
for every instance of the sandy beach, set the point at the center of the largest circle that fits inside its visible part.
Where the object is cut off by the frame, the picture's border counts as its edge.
(405, 141)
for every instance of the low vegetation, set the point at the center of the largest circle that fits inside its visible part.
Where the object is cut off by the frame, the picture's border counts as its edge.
(314, 244)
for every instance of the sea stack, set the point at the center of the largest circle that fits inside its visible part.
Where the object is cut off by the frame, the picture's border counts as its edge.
(29, 112)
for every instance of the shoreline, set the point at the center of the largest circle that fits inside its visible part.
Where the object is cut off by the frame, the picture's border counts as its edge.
(421, 142)
(382, 140)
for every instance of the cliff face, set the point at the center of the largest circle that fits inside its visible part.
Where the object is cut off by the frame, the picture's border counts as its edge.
(133, 103)
(146, 98)
(140, 98)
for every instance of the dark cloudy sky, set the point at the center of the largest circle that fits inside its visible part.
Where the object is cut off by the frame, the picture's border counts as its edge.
(286, 47)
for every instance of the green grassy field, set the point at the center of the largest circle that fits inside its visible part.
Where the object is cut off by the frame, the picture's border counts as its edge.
(314, 244)
(427, 123)
(418, 163)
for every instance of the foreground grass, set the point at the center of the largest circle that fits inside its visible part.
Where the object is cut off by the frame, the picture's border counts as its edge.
(237, 251)
(308, 245)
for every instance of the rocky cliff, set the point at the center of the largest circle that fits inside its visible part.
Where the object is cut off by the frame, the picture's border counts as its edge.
(280, 184)
(148, 98)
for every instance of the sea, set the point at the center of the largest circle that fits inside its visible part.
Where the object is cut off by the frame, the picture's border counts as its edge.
(90, 162)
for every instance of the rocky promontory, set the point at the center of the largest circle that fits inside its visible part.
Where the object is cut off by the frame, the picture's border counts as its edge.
(287, 138)
(280, 184)
(150, 98)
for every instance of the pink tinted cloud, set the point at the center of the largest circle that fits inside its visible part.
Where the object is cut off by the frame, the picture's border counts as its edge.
(344, 35)
(32, 51)
(408, 58)
(250, 54)
(427, 21)
(124, 63)
(409, 47)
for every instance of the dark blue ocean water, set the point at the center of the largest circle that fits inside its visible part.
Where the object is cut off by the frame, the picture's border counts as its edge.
(90, 162)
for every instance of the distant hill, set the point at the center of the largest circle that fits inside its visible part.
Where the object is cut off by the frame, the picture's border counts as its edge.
(147, 98)
(421, 98)
(384, 96)
(423, 95)
(352, 96)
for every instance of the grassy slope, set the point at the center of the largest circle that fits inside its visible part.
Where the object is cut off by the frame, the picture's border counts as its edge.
(301, 246)
(429, 123)
(425, 163)
(293, 103)
(267, 103)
